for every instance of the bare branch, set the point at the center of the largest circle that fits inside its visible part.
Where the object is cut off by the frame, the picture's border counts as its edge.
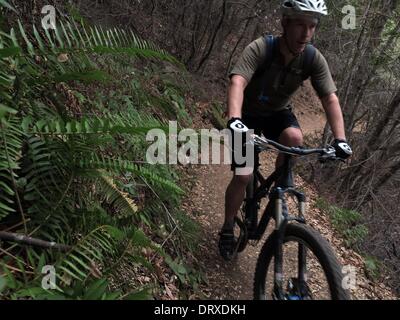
(22, 239)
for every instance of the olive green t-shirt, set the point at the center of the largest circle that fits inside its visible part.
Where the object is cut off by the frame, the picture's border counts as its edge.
(279, 83)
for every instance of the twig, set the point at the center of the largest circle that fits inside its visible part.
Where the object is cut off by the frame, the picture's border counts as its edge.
(164, 242)
(169, 215)
(57, 205)
(18, 270)
(17, 225)
(20, 238)
(16, 258)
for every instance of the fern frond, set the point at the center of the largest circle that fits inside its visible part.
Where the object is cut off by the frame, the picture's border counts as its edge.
(9, 52)
(40, 171)
(119, 165)
(111, 125)
(7, 77)
(10, 154)
(48, 180)
(91, 250)
(5, 4)
(73, 38)
(153, 209)
(120, 200)
(86, 76)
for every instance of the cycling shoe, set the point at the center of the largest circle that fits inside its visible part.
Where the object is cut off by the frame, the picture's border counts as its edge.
(227, 244)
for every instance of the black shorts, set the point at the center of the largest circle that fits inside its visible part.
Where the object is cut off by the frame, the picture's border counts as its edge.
(271, 127)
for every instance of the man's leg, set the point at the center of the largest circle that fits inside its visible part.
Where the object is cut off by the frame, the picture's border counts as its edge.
(234, 197)
(291, 137)
(235, 192)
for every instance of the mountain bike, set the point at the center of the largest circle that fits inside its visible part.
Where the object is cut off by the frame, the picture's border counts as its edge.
(295, 262)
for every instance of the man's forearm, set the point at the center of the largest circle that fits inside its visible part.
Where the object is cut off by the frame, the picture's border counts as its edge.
(235, 99)
(334, 116)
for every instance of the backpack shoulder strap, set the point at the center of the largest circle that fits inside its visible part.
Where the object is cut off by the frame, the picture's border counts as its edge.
(272, 46)
(308, 59)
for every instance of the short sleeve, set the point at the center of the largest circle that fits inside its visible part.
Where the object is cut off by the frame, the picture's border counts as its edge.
(251, 59)
(321, 77)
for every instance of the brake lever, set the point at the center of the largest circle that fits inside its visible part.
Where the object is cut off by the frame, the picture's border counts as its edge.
(253, 142)
(330, 154)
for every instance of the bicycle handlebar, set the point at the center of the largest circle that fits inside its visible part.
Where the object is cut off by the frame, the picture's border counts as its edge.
(327, 153)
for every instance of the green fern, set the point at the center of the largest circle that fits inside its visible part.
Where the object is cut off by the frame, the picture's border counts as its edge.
(120, 200)
(119, 165)
(89, 253)
(61, 162)
(72, 38)
(48, 181)
(63, 54)
(10, 154)
(111, 125)
(40, 169)
(5, 4)
(10, 134)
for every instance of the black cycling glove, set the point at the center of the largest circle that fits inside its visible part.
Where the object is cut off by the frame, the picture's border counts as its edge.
(239, 132)
(237, 126)
(342, 148)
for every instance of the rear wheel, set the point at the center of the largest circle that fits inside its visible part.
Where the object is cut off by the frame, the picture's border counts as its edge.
(310, 268)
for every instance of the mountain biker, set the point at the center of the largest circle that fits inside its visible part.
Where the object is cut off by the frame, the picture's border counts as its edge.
(260, 100)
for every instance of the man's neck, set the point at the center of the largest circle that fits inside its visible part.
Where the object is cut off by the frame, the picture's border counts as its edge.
(288, 56)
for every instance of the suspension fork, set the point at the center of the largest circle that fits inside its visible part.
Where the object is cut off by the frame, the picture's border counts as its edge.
(280, 228)
(281, 220)
(302, 254)
(302, 263)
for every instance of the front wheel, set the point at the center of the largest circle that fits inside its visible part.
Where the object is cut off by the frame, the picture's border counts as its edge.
(310, 268)
(241, 235)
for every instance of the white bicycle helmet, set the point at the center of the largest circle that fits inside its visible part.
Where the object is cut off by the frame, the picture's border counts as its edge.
(314, 8)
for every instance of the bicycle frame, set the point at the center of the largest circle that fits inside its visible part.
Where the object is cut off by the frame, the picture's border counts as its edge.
(277, 209)
(283, 178)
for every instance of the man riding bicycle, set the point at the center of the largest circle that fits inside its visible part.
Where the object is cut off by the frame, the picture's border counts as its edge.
(262, 82)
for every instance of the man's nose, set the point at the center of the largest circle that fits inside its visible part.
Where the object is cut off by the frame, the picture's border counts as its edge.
(307, 33)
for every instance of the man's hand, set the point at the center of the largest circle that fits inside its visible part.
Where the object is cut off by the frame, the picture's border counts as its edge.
(238, 133)
(342, 148)
(237, 126)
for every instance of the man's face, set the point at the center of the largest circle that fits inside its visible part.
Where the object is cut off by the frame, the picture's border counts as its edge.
(299, 32)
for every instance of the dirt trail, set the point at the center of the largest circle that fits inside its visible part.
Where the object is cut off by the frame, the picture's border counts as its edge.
(234, 280)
